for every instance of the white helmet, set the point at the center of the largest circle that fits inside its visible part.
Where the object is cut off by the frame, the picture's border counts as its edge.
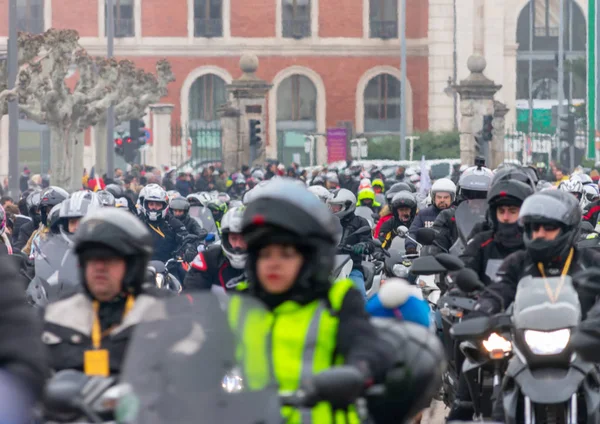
(343, 198)
(584, 178)
(232, 223)
(321, 192)
(155, 193)
(591, 192)
(443, 185)
(574, 187)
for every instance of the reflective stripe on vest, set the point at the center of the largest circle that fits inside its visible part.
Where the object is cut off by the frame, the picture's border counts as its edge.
(303, 339)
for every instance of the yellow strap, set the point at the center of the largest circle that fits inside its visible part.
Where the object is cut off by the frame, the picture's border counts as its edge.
(157, 230)
(97, 329)
(553, 295)
(388, 236)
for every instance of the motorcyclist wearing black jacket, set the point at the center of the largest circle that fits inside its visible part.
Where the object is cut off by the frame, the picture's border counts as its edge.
(443, 194)
(221, 266)
(486, 250)
(90, 329)
(169, 235)
(474, 183)
(32, 204)
(342, 204)
(404, 208)
(179, 208)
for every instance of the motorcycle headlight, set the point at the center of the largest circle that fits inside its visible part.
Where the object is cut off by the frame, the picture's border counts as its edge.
(497, 345)
(233, 382)
(160, 280)
(547, 342)
(400, 270)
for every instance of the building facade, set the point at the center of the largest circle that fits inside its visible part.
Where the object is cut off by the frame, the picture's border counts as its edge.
(330, 61)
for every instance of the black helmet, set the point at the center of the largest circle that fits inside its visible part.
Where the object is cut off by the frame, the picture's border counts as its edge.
(552, 207)
(106, 198)
(406, 200)
(518, 174)
(118, 233)
(32, 205)
(289, 214)
(115, 190)
(51, 197)
(506, 193)
(395, 189)
(54, 219)
(179, 204)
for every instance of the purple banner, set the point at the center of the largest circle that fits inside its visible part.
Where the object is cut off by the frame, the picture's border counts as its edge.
(337, 139)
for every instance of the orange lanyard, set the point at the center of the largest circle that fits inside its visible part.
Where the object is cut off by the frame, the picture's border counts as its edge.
(553, 295)
(157, 230)
(97, 329)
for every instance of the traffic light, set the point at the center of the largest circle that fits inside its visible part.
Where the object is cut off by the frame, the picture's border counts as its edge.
(137, 131)
(255, 139)
(129, 149)
(119, 146)
(486, 131)
(566, 126)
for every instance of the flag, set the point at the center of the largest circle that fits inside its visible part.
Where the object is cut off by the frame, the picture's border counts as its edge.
(425, 180)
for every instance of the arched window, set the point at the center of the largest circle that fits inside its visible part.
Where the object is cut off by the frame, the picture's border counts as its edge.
(295, 21)
(208, 18)
(207, 93)
(383, 18)
(382, 104)
(543, 49)
(124, 19)
(30, 16)
(296, 116)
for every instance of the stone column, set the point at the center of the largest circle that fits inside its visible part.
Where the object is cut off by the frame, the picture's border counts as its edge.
(476, 100)
(249, 98)
(233, 148)
(161, 129)
(499, 123)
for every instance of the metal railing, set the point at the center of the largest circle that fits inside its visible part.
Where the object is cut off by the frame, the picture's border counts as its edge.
(296, 28)
(384, 29)
(208, 28)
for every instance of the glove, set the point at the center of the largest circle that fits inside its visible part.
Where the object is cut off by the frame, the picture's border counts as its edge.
(360, 248)
(190, 255)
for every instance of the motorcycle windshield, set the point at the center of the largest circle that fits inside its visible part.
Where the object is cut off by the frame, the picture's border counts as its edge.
(56, 270)
(205, 218)
(546, 304)
(469, 213)
(186, 364)
(366, 213)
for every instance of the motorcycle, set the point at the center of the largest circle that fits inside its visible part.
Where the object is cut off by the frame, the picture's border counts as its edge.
(159, 273)
(204, 217)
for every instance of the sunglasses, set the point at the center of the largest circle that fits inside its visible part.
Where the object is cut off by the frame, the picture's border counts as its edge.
(546, 227)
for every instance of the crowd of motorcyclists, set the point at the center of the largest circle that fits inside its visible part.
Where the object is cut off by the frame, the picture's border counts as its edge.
(97, 263)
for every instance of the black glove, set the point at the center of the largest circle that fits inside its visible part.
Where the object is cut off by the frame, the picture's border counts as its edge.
(190, 254)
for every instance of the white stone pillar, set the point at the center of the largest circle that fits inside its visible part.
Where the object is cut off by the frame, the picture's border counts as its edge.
(493, 42)
(161, 129)
(509, 84)
(465, 17)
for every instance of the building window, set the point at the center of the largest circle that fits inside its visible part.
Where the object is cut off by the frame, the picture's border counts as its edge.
(296, 99)
(206, 95)
(124, 19)
(383, 18)
(30, 16)
(295, 21)
(208, 18)
(382, 104)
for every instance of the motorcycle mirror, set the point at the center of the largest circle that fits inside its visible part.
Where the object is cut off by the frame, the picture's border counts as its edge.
(361, 231)
(471, 328)
(340, 386)
(64, 389)
(402, 231)
(426, 236)
(468, 280)
(426, 265)
(451, 262)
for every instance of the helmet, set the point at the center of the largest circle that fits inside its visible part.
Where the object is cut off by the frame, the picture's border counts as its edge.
(591, 192)
(121, 202)
(290, 214)
(171, 194)
(366, 194)
(258, 175)
(203, 198)
(232, 223)
(554, 207)
(343, 198)
(544, 185)
(32, 204)
(475, 182)
(121, 234)
(443, 185)
(54, 219)
(406, 200)
(179, 204)
(378, 182)
(518, 174)
(50, 197)
(224, 197)
(574, 187)
(214, 194)
(106, 198)
(396, 188)
(364, 183)
(584, 178)
(218, 209)
(507, 193)
(321, 192)
(332, 178)
(155, 193)
(79, 204)
(318, 180)
(115, 190)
